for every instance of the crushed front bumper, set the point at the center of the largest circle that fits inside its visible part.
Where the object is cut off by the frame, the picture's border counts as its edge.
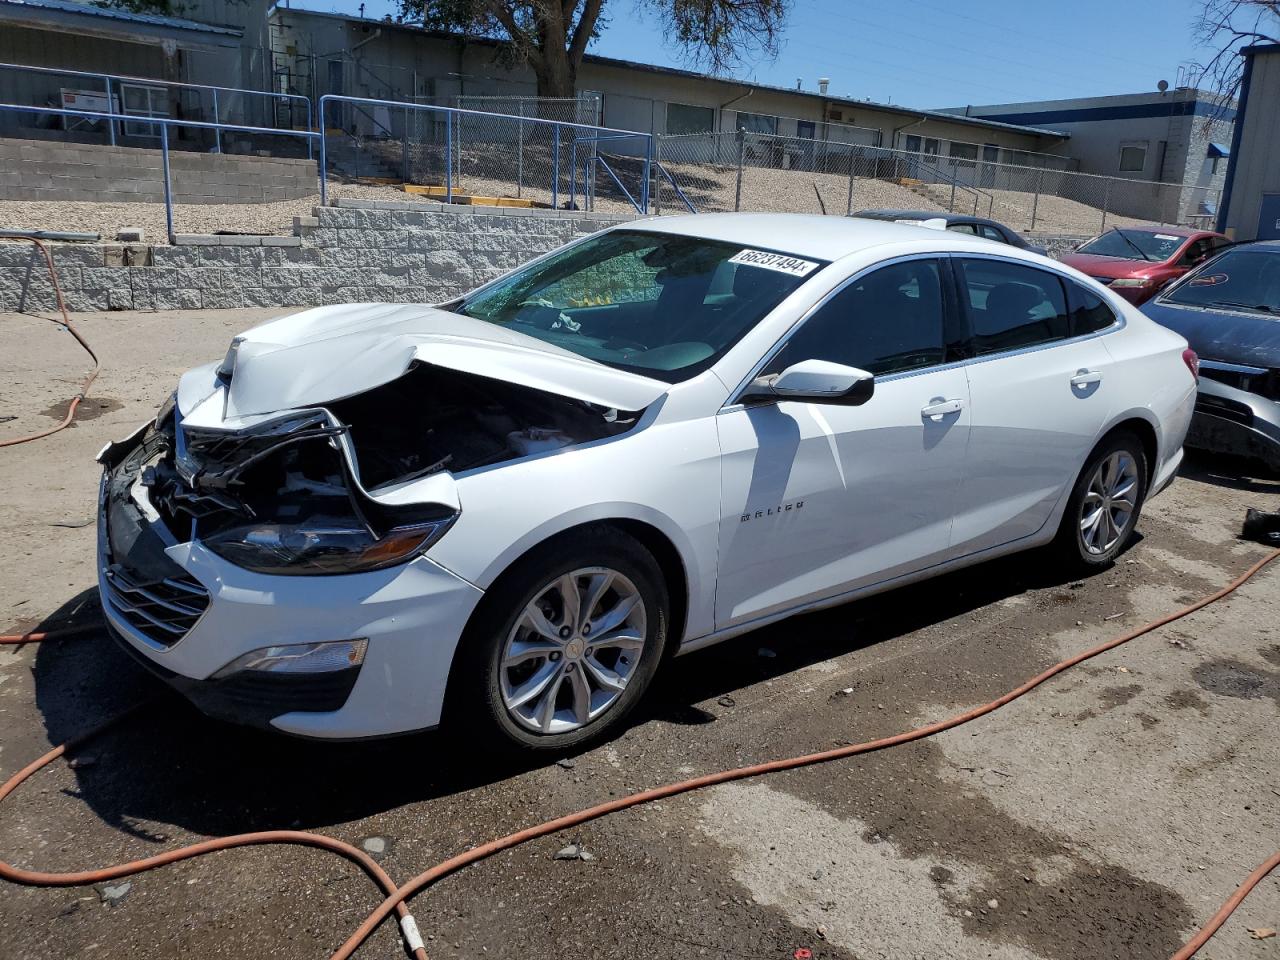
(412, 615)
(1230, 420)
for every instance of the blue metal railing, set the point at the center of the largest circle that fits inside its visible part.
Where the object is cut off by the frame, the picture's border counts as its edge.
(113, 88)
(580, 133)
(165, 123)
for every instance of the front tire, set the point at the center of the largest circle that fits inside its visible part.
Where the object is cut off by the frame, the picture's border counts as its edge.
(564, 644)
(1102, 513)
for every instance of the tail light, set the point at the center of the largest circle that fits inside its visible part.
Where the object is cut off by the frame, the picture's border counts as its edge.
(1193, 363)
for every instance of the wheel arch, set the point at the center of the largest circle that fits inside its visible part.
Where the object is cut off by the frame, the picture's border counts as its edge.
(678, 576)
(1141, 424)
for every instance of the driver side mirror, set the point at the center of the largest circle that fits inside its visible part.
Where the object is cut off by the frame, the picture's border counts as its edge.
(815, 381)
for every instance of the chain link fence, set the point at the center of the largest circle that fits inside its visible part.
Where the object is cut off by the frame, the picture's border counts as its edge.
(438, 152)
(760, 172)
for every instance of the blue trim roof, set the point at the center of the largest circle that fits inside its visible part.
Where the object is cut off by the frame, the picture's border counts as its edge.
(1129, 111)
(111, 13)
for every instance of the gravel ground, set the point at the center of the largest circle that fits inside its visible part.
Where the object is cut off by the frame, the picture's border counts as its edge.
(1101, 817)
(763, 190)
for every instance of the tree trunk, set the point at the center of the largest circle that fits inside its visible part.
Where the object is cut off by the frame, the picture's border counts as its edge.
(556, 76)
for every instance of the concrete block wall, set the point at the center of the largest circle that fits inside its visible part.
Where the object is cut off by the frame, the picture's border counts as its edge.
(32, 170)
(356, 251)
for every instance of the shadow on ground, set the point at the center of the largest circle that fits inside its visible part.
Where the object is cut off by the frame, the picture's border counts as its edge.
(171, 765)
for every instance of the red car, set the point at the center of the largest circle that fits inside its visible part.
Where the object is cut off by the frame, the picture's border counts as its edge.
(1135, 262)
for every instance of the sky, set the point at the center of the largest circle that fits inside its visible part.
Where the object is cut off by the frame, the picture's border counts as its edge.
(935, 53)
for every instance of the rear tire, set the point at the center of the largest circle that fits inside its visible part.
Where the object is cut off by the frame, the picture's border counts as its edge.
(1102, 512)
(563, 645)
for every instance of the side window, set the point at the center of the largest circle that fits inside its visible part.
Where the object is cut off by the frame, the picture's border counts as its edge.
(1196, 251)
(1089, 312)
(991, 233)
(968, 228)
(887, 321)
(1012, 306)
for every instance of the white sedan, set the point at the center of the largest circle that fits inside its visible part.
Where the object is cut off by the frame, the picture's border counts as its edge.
(506, 511)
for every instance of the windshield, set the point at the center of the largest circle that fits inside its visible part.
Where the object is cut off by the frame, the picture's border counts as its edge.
(1242, 279)
(660, 304)
(1134, 245)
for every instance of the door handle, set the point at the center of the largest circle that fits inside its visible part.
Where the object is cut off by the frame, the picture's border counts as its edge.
(940, 408)
(1085, 378)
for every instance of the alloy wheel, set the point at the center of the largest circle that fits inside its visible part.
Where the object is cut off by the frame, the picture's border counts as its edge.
(1107, 510)
(572, 650)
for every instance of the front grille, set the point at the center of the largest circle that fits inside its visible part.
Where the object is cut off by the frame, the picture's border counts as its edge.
(161, 610)
(272, 694)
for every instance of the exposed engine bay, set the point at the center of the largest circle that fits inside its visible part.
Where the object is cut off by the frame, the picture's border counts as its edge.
(317, 475)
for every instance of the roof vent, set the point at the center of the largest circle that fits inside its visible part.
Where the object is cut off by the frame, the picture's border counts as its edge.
(822, 85)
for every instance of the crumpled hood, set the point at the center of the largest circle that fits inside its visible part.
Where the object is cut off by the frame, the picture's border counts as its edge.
(329, 353)
(1245, 338)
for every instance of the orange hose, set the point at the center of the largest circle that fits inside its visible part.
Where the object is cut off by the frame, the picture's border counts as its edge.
(18, 638)
(66, 322)
(741, 773)
(395, 901)
(35, 878)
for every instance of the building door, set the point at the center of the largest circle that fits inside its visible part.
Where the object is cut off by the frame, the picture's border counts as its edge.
(1269, 217)
(990, 155)
(337, 73)
(806, 130)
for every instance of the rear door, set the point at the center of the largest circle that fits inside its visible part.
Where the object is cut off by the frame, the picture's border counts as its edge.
(1040, 387)
(819, 498)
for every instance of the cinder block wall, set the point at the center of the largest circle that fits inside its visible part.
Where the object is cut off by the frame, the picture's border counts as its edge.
(92, 172)
(354, 252)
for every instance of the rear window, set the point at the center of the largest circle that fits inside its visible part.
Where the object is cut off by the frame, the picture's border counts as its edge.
(1240, 279)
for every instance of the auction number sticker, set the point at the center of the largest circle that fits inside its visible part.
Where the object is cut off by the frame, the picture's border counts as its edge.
(775, 261)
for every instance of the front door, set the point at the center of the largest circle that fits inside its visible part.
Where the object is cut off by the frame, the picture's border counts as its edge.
(1269, 217)
(990, 155)
(819, 499)
(1040, 392)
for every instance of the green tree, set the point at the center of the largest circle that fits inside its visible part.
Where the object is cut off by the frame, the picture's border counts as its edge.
(551, 36)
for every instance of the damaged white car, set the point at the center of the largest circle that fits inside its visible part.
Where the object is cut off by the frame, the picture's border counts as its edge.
(506, 511)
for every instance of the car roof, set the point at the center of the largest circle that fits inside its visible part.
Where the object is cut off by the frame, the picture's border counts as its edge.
(1170, 230)
(804, 235)
(891, 214)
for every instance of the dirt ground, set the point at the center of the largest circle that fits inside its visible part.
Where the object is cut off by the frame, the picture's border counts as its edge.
(1103, 816)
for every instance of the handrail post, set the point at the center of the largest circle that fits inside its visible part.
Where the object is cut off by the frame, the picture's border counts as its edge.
(573, 174)
(555, 171)
(217, 131)
(737, 191)
(324, 178)
(448, 158)
(848, 206)
(648, 172)
(168, 187)
(310, 127)
(111, 124)
(657, 197)
(404, 141)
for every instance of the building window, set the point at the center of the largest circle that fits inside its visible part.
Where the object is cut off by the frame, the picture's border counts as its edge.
(757, 123)
(913, 143)
(686, 118)
(963, 154)
(1133, 157)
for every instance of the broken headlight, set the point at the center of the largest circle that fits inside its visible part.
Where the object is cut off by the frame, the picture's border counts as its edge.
(322, 545)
